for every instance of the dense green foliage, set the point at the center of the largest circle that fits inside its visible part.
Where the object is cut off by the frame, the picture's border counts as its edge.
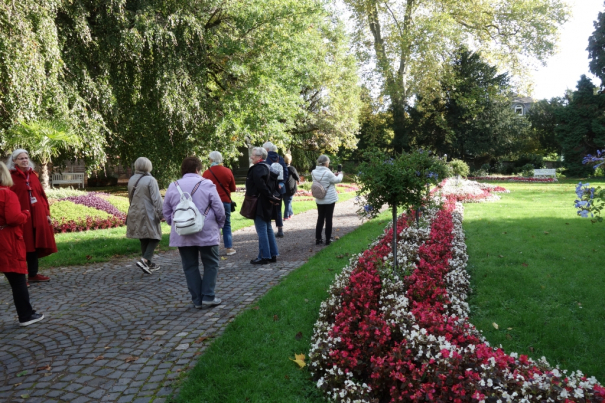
(409, 43)
(536, 271)
(580, 127)
(458, 167)
(543, 119)
(250, 361)
(167, 79)
(470, 117)
(596, 49)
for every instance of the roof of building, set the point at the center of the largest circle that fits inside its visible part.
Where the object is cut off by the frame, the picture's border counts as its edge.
(523, 100)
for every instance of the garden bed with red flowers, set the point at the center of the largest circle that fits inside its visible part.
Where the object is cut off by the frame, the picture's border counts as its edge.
(90, 211)
(511, 179)
(404, 335)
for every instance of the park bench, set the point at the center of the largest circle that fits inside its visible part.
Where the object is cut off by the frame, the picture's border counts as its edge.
(65, 178)
(543, 173)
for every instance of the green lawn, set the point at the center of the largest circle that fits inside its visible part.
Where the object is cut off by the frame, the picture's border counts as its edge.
(251, 359)
(536, 272)
(101, 245)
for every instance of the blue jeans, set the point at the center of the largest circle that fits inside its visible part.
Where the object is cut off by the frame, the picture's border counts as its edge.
(200, 289)
(288, 207)
(267, 247)
(227, 239)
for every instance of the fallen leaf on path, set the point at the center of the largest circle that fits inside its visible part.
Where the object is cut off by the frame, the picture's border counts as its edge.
(495, 325)
(99, 358)
(298, 336)
(44, 368)
(223, 258)
(299, 359)
(201, 339)
(131, 359)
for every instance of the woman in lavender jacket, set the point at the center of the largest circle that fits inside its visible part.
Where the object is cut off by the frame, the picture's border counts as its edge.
(204, 243)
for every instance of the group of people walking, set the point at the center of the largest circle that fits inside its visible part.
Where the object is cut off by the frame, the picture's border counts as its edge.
(26, 231)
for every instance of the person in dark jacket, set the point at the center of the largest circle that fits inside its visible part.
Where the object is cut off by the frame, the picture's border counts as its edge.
(291, 187)
(262, 184)
(273, 157)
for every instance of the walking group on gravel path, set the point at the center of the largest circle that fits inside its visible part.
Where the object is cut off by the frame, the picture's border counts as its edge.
(197, 207)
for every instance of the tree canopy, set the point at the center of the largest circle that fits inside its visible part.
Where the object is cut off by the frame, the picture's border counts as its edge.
(170, 78)
(410, 41)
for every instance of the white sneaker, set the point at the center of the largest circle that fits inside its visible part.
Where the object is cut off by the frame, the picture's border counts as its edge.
(230, 251)
(36, 317)
(215, 301)
(143, 266)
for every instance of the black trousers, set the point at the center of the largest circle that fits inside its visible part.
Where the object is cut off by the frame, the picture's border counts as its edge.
(20, 295)
(148, 245)
(324, 213)
(32, 263)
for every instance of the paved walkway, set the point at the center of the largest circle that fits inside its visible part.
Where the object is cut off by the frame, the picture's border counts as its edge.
(114, 334)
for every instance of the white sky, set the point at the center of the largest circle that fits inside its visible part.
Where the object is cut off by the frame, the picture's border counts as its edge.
(564, 69)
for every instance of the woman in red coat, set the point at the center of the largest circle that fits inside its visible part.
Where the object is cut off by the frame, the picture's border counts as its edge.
(38, 231)
(12, 248)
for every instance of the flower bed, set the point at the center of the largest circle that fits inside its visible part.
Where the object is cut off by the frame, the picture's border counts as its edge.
(405, 336)
(511, 179)
(89, 211)
(463, 190)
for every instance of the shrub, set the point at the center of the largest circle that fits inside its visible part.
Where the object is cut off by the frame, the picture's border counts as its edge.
(534, 159)
(527, 170)
(459, 167)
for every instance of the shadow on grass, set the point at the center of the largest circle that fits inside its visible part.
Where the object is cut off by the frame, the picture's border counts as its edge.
(540, 279)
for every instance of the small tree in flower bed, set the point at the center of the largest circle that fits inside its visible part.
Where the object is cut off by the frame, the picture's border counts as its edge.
(400, 181)
(591, 201)
(94, 201)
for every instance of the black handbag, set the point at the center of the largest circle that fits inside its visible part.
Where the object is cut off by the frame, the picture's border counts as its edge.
(233, 204)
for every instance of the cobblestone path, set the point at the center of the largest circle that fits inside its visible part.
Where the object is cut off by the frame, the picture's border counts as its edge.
(114, 334)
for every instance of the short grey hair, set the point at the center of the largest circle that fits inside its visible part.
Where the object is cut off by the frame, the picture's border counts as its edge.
(269, 146)
(323, 160)
(215, 156)
(143, 164)
(11, 160)
(5, 176)
(260, 151)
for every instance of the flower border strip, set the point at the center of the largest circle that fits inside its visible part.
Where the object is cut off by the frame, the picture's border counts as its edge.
(385, 338)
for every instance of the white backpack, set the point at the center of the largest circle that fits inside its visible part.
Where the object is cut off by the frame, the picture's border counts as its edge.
(187, 219)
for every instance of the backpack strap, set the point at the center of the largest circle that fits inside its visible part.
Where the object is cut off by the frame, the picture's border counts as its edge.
(319, 181)
(195, 188)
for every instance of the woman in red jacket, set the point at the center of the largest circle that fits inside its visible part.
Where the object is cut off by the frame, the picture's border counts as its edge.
(38, 231)
(12, 248)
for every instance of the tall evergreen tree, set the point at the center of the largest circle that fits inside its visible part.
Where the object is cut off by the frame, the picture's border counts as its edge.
(581, 126)
(472, 118)
(596, 49)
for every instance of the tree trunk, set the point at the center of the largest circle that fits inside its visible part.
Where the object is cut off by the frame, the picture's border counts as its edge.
(394, 248)
(400, 139)
(44, 177)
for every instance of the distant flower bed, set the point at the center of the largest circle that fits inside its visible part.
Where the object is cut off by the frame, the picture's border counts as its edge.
(511, 179)
(463, 190)
(385, 336)
(84, 211)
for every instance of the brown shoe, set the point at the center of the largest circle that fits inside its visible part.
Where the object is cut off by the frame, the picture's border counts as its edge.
(38, 278)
